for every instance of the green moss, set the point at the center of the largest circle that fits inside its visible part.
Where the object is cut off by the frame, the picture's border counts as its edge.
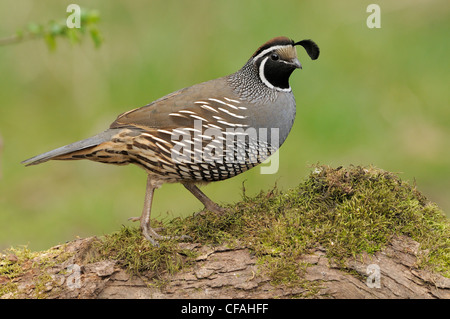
(11, 267)
(137, 255)
(17, 262)
(11, 261)
(346, 211)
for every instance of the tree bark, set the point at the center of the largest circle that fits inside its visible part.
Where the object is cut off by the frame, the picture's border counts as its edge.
(220, 272)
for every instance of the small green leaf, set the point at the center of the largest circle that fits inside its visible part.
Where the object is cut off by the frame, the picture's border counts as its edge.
(95, 35)
(50, 40)
(72, 34)
(90, 16)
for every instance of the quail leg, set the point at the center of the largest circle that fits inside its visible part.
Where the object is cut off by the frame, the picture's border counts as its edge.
(209, 204)
(149, 233)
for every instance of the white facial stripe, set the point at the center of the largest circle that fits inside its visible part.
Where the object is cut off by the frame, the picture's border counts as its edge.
(261, 73)
(264, 80)
(276, 47)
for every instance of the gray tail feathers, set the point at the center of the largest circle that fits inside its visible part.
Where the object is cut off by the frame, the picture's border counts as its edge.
(77, 146)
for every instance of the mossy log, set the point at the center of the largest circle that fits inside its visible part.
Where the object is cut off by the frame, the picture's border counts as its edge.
(343, 233)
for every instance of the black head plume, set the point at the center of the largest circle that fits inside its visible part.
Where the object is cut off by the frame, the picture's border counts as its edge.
(311, 48)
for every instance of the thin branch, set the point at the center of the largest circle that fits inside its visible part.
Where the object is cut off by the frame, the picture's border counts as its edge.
(11, 40)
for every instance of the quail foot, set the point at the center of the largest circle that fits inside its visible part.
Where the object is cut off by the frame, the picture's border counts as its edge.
(204, 133)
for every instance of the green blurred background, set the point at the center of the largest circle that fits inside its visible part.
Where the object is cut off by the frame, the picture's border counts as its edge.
(375, 96)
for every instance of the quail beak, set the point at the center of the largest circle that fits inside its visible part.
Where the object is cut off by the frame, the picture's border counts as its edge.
(295, 62)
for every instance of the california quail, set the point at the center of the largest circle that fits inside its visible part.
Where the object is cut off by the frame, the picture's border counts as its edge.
(207, 132)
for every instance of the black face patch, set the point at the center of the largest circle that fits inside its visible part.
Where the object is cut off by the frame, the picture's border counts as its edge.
(277, 73)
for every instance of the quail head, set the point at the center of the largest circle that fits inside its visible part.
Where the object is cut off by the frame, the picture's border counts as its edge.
(207, 132)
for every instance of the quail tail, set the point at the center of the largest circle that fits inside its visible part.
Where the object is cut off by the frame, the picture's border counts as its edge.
(65, 152)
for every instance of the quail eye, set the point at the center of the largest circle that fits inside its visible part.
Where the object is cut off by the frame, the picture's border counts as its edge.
(274, 56)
